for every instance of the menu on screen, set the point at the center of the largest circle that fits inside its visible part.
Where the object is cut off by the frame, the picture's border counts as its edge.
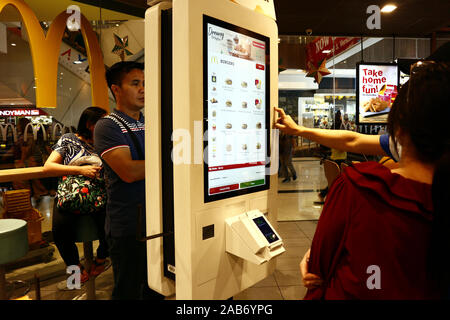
(236, 95)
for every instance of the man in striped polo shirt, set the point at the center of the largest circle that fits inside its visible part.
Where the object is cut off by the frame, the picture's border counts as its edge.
(119, 140)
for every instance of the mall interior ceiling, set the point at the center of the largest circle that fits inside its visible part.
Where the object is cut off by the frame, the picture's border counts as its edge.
(413, 18)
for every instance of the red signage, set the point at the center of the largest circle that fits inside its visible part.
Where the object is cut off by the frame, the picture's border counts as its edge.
(21, 112)
(259, 66)
(322, 48)
(223, 188)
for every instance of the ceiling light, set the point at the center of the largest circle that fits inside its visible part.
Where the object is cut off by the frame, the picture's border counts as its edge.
(388, 8)
(13, 44)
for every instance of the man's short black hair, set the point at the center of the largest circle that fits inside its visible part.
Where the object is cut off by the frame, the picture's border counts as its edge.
(116, 73)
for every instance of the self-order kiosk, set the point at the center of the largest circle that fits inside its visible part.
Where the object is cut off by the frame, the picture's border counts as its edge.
(211, 73)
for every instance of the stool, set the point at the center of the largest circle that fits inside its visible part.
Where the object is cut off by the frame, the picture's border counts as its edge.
(17, 205)
(86, 232)
(14, 244)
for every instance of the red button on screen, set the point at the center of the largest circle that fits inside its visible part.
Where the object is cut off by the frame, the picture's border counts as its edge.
(223, 189)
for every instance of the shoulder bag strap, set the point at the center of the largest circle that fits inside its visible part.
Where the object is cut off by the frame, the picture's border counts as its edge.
(132, 135)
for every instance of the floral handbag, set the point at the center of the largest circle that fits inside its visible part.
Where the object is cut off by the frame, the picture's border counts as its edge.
(81, 195)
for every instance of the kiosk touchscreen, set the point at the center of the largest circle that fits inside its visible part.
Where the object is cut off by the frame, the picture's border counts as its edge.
(236, 80)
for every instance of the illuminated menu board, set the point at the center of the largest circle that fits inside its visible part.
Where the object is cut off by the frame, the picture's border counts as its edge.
(377, 87)
(236, 110)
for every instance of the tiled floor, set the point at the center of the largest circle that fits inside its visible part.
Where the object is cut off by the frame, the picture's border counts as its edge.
(284, 284)
(48, 289)
(297, 221)
(296, 198)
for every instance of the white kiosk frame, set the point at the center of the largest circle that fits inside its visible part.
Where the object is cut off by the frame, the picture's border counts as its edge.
(204, 270)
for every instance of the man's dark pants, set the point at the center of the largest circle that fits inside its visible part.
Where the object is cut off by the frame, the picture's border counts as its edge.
(129, 262)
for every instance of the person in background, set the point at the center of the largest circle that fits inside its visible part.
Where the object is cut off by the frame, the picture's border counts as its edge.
(337, 155)
(27, 153)
(337, 120)
(122, 152)
(383, 233)
(346, 125)
(287, 144)
(72, 146)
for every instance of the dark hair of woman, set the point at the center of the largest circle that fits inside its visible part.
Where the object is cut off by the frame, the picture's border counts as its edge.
(425, 99)
(89, 117)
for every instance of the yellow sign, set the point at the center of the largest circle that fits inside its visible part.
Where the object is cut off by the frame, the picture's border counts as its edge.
(45, 53)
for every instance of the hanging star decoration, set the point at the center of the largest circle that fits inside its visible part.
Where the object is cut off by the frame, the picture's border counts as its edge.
(318, 71)
(120, 47)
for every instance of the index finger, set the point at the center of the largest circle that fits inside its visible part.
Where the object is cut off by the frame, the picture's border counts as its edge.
(280, 111)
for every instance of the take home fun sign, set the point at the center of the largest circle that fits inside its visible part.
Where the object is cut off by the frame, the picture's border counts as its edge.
(377, 87)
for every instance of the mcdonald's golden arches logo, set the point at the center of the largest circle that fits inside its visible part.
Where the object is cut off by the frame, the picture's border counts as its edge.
(45, 53)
